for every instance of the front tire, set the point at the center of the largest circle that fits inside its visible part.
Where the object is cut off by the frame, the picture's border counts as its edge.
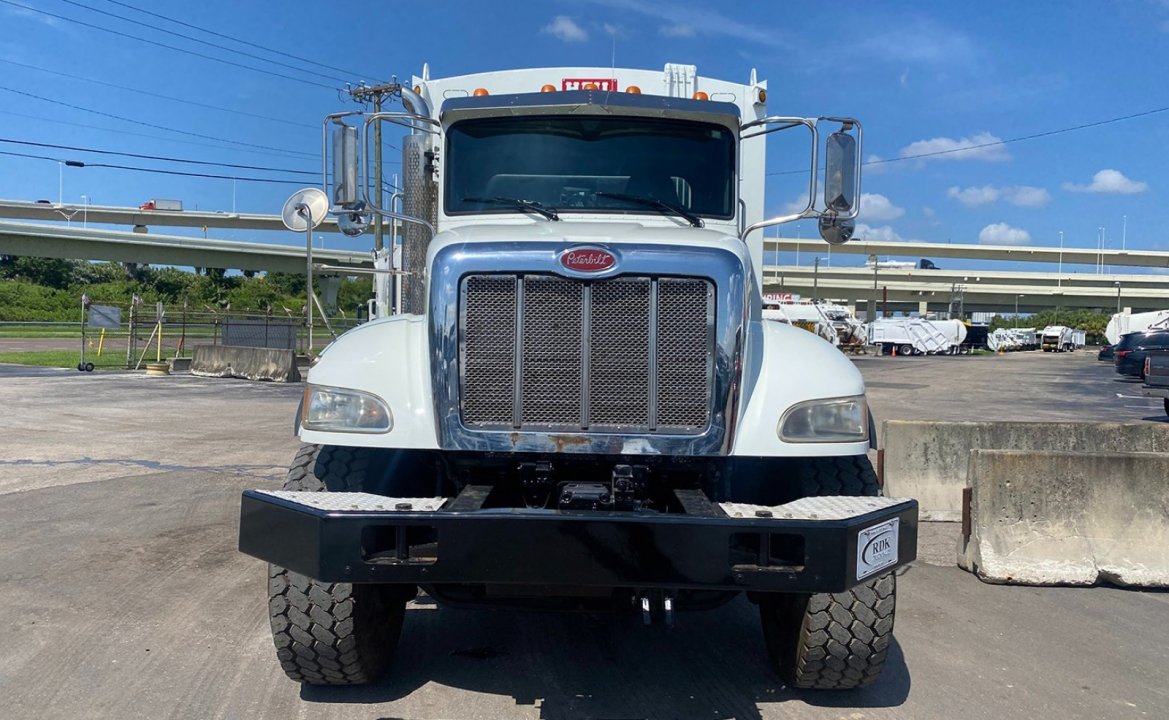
(832, 640)
(333, 633)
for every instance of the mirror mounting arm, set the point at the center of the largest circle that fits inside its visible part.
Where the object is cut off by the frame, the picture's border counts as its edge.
(838, 223)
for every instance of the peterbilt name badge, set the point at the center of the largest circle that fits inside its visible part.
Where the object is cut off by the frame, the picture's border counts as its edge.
(588, 259)
(876, 547)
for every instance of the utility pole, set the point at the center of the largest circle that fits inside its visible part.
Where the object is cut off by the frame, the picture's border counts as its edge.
(375, 94)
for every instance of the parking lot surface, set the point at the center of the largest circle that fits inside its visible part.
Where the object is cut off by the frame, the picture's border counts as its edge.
(122, 594)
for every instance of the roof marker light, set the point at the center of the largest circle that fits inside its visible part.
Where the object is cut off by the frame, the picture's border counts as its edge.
(633, 90)
(699, 95)
(548, 88)
(480, 92)
(590, 86)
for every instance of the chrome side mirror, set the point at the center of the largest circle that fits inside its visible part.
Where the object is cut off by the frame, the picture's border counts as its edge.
(840, 174)
(346, 187)
(836, 231)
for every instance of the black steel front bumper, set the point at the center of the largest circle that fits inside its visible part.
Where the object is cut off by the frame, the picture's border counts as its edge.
(812, 545)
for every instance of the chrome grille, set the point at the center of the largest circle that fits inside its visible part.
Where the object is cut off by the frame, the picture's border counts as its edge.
(544, 352)
(550, 385)
(683, 375)
(489, 359)
(619, 347)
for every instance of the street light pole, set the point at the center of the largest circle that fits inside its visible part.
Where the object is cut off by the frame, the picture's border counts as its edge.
(1059, 279)
(816, 280)
(85, 212)
(872, 314)
(1118, 297)
(1017, 310)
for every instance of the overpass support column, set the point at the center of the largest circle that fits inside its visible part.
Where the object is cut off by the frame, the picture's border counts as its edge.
(923, 307)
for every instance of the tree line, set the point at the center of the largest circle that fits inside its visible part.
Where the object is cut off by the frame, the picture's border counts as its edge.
(50, 289)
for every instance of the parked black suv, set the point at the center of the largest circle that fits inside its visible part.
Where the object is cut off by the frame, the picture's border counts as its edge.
(1131, 350)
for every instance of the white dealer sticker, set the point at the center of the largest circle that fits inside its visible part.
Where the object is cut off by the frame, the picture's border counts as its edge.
(876, 548)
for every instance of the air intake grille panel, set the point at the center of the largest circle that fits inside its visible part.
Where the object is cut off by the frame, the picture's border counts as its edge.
(549, 353)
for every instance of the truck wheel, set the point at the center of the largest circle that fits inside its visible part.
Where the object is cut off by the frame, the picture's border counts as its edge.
(906, 350)
(1166, 401)
(831, 641)
(333, 633)
(849, 475)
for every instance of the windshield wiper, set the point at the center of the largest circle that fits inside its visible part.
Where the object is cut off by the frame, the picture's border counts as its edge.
(518, 204)
(693, 219)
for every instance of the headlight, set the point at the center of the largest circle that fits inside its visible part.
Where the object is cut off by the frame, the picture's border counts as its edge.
(834, 420)
(341, 410)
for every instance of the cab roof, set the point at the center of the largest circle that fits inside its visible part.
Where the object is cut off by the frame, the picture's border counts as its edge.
(602, 98)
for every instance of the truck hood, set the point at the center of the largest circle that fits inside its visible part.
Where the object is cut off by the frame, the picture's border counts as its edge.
(590, 233)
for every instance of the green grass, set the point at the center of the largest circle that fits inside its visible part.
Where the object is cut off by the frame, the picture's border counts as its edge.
(66, 358)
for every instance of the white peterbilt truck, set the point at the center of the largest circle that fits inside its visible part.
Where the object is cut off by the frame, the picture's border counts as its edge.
(577, 403)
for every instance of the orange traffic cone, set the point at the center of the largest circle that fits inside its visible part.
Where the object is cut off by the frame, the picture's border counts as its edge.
(894, 351)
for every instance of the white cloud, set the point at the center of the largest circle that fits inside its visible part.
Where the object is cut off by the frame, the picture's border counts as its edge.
(566, 29)
(1026, 196)
(928, 212)
(699, 17)
(1003, 234)
(796, 205)
(981, 146)
(878, 207)
(883, 233)
(876, 165)
(615, 31)
(32, 14)
(1020, 195)
(677, 31)
(1111, 182)
(974, 196)
(923, 42)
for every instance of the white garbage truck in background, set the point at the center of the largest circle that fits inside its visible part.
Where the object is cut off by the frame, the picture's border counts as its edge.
(578, 404)
(1057, 338)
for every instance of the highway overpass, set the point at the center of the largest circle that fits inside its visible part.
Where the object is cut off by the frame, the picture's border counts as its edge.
(978, 290)
(74, 241)
(133, 217)
(1008, 253)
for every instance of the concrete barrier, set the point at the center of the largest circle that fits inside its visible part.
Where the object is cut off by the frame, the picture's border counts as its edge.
(244, 362)
(1052, 518)
(928, 460)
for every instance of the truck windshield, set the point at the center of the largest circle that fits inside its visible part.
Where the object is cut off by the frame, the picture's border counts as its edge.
(591, 164)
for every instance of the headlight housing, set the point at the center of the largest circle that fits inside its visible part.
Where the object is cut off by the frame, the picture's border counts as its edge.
(830, 420)
(343, 410)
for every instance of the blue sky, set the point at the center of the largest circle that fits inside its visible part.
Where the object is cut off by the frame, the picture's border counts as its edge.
(921, 76)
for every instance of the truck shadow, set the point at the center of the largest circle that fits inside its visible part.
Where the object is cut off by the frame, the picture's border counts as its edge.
(711, 665)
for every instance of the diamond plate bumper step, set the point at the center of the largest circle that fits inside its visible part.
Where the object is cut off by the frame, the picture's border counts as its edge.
(826, 544)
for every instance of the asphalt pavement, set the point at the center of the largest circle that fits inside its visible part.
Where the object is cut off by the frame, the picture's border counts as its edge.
(122, 594)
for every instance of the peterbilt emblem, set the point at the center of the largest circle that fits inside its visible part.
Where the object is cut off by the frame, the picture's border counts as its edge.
(588, 259)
